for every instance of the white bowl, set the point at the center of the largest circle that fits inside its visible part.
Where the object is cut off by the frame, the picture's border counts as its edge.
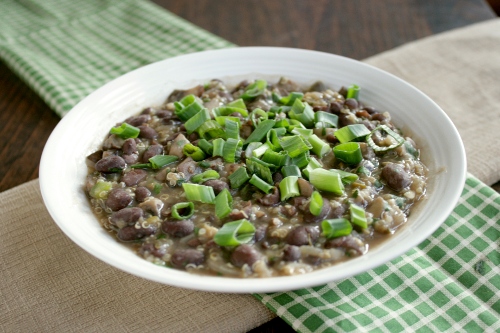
(63, 169)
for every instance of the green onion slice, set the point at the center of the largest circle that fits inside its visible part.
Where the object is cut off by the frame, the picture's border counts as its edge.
(206, 146)
(348, 152)
(238, 178)
(227, 110)
(251, 147)
(294, 145)
(232, 129)
(282, 123)
(319, 147)
(325, 180)
(398, 138)
(218, 147)
(100, 190)
(291, 170)
(305, 133)
(204, 176)
(193, 123)
(336, 228)
(260, 168)
(303, 113)
(313, 164)
(187, 107)
(358, 216)
(261, 184)
(195, 192)
(125, 131)
(182, 210)
(235, 233)
(353, 91)
(255, 89)
(193, 151)
(159, 161)
(289, 187)
(223, 204)
(301, 160)
(275, 158)
(221, 120)
(330, 119)
(238, 103)
(260, 150)
(316, 204)
(356, 132)
(211, 130)
(346, 177)
(257, 116)
(260, 131)
(230, 150)
(290, 99)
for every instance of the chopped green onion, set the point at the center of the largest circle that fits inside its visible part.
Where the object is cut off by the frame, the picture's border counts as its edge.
(356, 132)
(348, 152)
(221, 120)
(100, 190)
(141, 166)
(346, 177)
(235, 233)
(182, 210)
(193, 123)
(195, 192)
(275, 158)
(289, 187)
(211, 130)
(319, 147)
(282, 123)
(330, 119)
(238, 178)
(206, 146)
(193, 151)
(358, 216)
(187, 107)
(157, 189)
(125, 131)
(325, 180)
(218, 147)
(159, 161)
(316, 204)
(294, 123)
(230, 148)
(336, 228)
(290, 99)
(255, 89)
(204, 176)
(237, 103)
(291, 170)
(294, 145)
(227, 110)
(313, 164)
(223, 204)
(260, 131)
(260, 168)
(353, 91)
(305, 133)
(273, 138)
(260, 150)
(257, 116)
(398, 138)
(301, 160)
(303, 113)
(251, 147)
(232, 129)
(411, 150)
(363, 171)
(260, 184)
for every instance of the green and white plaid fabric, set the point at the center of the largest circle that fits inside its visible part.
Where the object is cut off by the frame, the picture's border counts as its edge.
(64, 50)
(451, 282)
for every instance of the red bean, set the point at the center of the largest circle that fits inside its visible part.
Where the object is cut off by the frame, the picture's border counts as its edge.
(141, 193)
(291, 253)
(244, 254)
(217, 184)
(131, 233)
(178, 228)
(147, 132)
(127, 216)
(138, 120)
(152, 150)
(133, 177)
(129, 147)
(183, 257)
(118, 199)
(110, 164)
(395, 176)
(303, 235)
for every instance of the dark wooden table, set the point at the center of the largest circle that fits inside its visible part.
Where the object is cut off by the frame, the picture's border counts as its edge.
(352, 28)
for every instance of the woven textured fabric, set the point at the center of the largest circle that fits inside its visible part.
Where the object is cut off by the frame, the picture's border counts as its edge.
(449, 283)
(64, 50)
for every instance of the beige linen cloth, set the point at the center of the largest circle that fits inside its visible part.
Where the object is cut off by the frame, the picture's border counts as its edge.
(49, 284)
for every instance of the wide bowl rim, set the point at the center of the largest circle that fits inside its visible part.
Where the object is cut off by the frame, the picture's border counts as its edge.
(236, 285)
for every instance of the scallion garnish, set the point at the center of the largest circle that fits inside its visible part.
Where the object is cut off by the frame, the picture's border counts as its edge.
(218, 147)
(353, 91)
(255, 89)
(204, 176)
(206, 146)
(358, 216)
(282, 123)
(336, 228)
(289, 187)
(230, 148)
(100, 189)
(301, 160)
(235, 233)
(125, 131)
(239, 177)
(260, 150)
(346, 177)
(316, 203)
(232, 129)
(275, 158)
(260, 131)
(356, 132)
(193, 123)
(211, 130)
(398, 138)
(159, 161)
(251, 147)
(260, 184)
(193, 151)
(294, 145)
(290, 170)
(257, 116)
(221, 120)
(273, 138)
(303, 113)
(330, 119)
(348, 152)
(182, 210)
(187, 107)
(223, 204)
(290, 99)
(304, 132)
(313, 164)
(237, 103)
(195, 192)
(319, 147)
(260, 168)
(325, 180)
(227, 110)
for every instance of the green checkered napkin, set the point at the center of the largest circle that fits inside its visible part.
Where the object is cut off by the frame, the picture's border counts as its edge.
(451, 282)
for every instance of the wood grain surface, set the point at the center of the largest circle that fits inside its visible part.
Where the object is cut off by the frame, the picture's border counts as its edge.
(352, 28)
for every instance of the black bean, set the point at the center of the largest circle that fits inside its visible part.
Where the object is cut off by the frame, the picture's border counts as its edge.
(395, 176)
(351, 103)
(131, 233)
(147, 132)
(138, 120)
(165, 114)
(346, 243)
(271, 199)
(291, 253)
(302, 235)
(217, 184)
(111, 163)
(134, 176)
(183, 257)
(118, 199)
(152, 150)
(129, 147)
(131, 159)
(244, 254)
(141, 193)
(178, 228)
(126, 215)
(335, 107)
